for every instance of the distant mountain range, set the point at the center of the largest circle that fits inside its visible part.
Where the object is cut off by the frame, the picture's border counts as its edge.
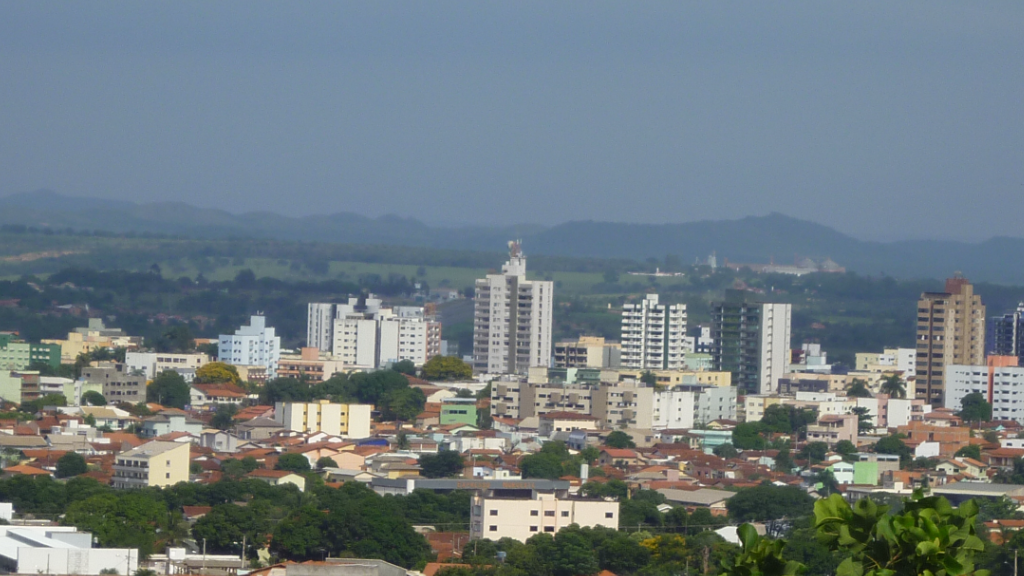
(749, 240)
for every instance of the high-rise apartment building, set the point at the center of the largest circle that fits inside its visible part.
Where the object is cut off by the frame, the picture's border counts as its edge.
(367, 335)
(1005, 334)
(950, 330)
(512, 319)
(252, 345)
(320, 326)
(653, 335)
(751, 340)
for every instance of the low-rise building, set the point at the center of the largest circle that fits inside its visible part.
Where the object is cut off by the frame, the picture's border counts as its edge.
(170, 421)
(149, 364)
(152, 464)
(520, 513)
(458, 411)
(309, 363)
(119, 382)
(279, 478)
(348, 420)
(588, 352)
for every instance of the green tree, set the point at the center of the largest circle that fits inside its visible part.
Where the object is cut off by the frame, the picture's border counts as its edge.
(217, 373)
(224, 417)
(34, 406)
(784, 461)
(974, 408)
(969, 451)
(770, 504)
(814, 451)
(747, 436)
(726, 450)
(619, 439)
(894, 445)
(325, 462)
(93, 398)
(71, 464)
(404, 367)
(929, 537)
(864, 424)
(444, 464)
(846, 449)
(446, 368)
(648, 377)
(293, 463)
(401, 404)
(541, 465)
(893, 385)
(858, 389)
(125, 520)
(169, 389)
(225, 525)
(760, 557)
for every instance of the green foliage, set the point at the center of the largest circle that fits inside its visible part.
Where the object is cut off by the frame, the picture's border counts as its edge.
(814, 451)
(127, 520)
(217, 373)
(770, 504)
(894, 445)
(846, 449)
(760, 557)
(748, 436)
(444, 464)
(292, 463)
(894, 386)
(71, 464)
(726, 450)
(224, 526)
(169, 389)
(325, 462)
(974, 408)
(928, 537)
(858, 389)
(619, 439)
(388, 390)
(404, 367)
(224, 417)
(93, 398)
(238, 468)
(34, 406)
(787, 419)
(446, 368)
(863, 419)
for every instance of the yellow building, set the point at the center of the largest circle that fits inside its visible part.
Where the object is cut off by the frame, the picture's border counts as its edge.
(152, 464)
(350, 420)
(675, 377)
(95, 336)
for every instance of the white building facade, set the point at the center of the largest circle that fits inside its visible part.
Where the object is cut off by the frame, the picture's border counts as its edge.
(1002, 387)
(654, 335)
(367, 335)
(252, 345)
(775, 336)
(512, 319)
(320, 326)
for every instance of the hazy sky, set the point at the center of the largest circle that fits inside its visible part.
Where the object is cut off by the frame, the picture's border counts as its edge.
(883, 119)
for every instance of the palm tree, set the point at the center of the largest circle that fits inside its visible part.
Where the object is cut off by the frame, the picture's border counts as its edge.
(894, 386)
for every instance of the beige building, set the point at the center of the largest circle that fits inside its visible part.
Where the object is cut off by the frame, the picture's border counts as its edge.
(950, 330)
(95, 336)
(588, 352)
(677, 377)
(149, 364)
(310, 363)
(349, 420)
(152, 464)
(503, 513)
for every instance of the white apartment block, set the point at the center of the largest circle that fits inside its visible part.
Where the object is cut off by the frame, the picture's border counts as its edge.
(348, 420)
(512, 319)
(495, 515)
(654, 335)
(775, 336)
(252, 345)
(149, 364)
(320, 326)
(1002, 386)
(366, 335)
(693, 405)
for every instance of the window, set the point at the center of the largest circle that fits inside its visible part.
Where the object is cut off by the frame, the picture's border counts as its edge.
(608, 514)
(494, 512)
(168, 475)
(549, 528)
(534, 513)
(549, 512)
(533, 528)
(565, 514)
(493, 529)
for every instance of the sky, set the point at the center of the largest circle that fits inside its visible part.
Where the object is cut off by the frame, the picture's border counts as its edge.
(885, 120)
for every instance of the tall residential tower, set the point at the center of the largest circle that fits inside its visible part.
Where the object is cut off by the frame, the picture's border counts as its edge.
(512, 319)
(751, 340)
(653, 335)
(950, 330)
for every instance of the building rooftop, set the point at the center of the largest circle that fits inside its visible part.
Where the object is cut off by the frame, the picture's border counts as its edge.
(151, 449)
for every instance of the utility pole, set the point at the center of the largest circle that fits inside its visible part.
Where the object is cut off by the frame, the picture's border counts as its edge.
(243, 551)
(204, 556)
(1014, 562)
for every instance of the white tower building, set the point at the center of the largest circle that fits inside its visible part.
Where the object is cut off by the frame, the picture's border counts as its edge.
(512, 319)
(653, 335)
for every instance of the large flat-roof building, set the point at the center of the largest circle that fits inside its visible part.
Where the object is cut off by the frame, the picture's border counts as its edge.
(252, 345)
(520, 513)
(349, 420)
(152, 464)
(751, 340)
(653, 335)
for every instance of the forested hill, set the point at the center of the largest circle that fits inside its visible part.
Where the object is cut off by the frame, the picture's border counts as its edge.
(748, 240)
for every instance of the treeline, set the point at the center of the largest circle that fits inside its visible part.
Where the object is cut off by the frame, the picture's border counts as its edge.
(388, 390)
(348, 521)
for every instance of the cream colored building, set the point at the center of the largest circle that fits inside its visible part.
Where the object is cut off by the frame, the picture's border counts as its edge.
(310, 363)
(889, 360)
(349, 420)
(653, 335)
(152, 464)
(676, 377)
(950, 330)
(500, 514)
(587, 352)
(149, 364)
(512, 319)
(95, 336)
